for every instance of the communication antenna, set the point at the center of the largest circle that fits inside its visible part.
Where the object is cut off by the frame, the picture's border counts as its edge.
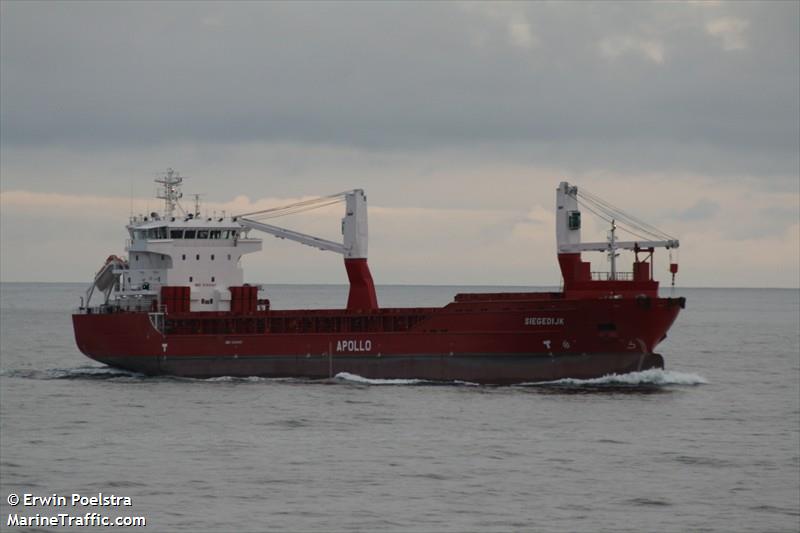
(197, 203)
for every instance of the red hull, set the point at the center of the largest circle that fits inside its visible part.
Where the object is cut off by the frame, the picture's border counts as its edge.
(497, 338)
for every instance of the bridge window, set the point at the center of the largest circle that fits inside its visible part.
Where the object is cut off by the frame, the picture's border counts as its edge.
(189, 234)
(176, 234)
(202, 234)
(214, 234)
(183, 257)
(197, 257)
(213, 279)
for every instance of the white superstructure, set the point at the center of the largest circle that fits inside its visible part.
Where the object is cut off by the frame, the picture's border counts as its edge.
(176, 248)
(200, 252)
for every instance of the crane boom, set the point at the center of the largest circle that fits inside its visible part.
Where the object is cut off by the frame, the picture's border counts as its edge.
(354, 229)
(577, 274)
(618, 245)
(353, 246)
(302, 238)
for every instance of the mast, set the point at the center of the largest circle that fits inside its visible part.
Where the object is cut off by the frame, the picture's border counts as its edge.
(197, 204)
(171, 191)
(612, 245)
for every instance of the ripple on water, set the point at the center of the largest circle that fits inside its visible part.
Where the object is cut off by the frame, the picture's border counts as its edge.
(702, 461)
(775, 509)
(648, 502)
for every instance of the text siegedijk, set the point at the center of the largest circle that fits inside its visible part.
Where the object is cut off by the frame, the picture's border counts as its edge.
(543, 321)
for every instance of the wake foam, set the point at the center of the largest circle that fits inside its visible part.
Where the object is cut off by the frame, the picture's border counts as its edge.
(238, 379)
(81, 372)
(653, 376)
(355, 378)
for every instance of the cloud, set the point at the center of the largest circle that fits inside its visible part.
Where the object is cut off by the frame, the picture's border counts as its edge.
(703, 209)
(520, 34)
(407, 77)
(81, 205)
(770, 261)
(614, 47)
(731, 32)
(512, 16)
(460, 116)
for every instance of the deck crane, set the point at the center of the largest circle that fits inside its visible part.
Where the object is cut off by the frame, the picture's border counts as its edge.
(353, 246)
(576, 272)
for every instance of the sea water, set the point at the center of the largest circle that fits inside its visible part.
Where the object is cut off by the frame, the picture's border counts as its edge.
(711, 443)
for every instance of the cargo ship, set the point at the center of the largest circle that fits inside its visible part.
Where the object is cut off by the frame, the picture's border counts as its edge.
(177, 304)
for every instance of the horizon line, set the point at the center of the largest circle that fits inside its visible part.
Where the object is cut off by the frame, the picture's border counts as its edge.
(426, 285)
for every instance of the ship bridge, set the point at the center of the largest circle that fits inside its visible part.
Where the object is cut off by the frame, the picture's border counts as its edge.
(176, 248)
(199, 252)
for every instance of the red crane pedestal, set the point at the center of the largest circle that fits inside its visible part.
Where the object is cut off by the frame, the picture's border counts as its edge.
(362, 288)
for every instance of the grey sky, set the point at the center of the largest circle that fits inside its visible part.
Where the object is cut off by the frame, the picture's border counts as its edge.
(419, 103)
